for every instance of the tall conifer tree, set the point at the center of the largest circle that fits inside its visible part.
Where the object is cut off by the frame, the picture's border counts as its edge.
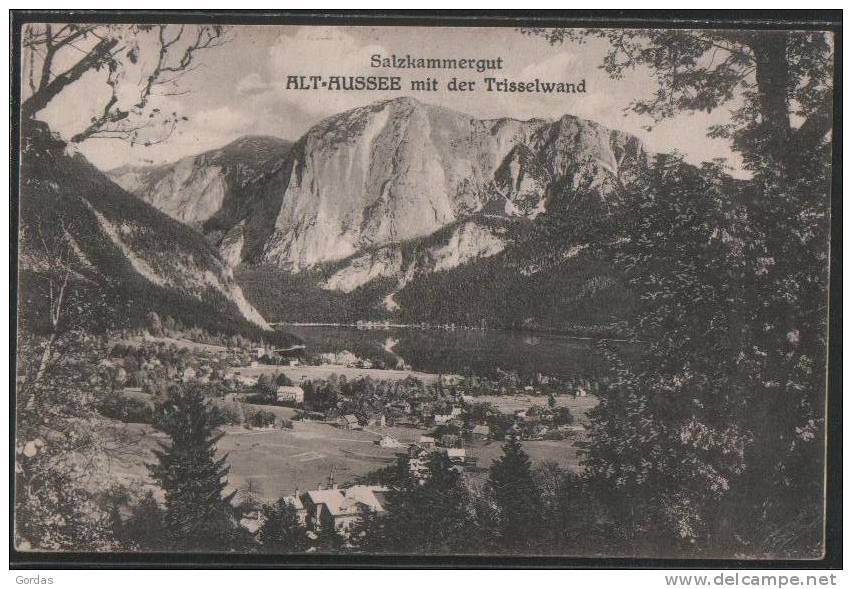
(198, 514)
(516, 496)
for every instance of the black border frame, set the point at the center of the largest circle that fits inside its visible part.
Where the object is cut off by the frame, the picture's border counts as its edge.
(830, 20)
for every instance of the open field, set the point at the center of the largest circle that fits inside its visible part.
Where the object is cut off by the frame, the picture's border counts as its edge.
(280, 461)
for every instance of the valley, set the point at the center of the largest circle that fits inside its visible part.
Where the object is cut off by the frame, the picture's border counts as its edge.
(403, 281)
(274, 463)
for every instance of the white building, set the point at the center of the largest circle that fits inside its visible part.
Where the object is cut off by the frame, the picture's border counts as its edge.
(341, 508)
(290, 393)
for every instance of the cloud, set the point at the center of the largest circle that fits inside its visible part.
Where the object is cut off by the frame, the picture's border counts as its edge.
(561, 66)
(242, 91)
(222, 120)
(321, 51)
(252, 84)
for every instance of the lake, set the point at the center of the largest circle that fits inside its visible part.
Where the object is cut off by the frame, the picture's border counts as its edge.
(460, 351)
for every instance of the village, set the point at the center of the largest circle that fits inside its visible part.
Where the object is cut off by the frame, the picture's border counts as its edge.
(293, 421)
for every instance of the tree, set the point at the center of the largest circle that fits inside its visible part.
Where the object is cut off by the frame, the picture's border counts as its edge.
(517, 498)
(714, 438)
(428, 517)
(264, 384)
(282, 532)
(368, 534)
(282, 380)
(198, 515)
(571, 513)
(158, 56)
(775, 76)
(143, 529)
(62, 446)
(49, 243)
(673, 444)
(329, 540)
(155, 326)
(632, 468)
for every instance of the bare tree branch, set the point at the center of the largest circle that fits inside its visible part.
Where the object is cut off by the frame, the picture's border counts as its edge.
(118, 48)
(47, 91)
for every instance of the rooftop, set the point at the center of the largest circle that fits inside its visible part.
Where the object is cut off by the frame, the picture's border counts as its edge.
(349, 501)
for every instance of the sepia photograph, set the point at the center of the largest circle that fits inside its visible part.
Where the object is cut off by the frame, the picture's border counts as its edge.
(299, 289)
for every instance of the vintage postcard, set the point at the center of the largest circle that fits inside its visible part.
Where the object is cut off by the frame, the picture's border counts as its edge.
(423, 290)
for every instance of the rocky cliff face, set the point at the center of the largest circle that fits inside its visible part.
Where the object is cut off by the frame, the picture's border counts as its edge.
(122, 250)
(401, 170)
(210, 191)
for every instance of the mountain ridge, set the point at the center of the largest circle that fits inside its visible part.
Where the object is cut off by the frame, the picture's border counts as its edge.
(383, 197)
(210, 191)
(120, 249)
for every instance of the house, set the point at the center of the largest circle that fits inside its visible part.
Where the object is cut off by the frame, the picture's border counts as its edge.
(245, 380)
(188, 374)
(348, 422)
(455, 455)
(251, 506)
(450, 440)
(521, 413)
(542, 378)
(296, 501)
(418, 462)
(377, 421)
(480, 432)
(390, 442)
(341, 508)
(252, 521)
(253, 517)
(259, 352)
(404, 406)
(427, 442)
(536, 432)
(456, 411)
(291, 394)
(443, 419)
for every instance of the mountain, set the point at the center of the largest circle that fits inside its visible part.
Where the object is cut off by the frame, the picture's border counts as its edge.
(399, 196)
(401, 170)
(124, 258)
(212, 191)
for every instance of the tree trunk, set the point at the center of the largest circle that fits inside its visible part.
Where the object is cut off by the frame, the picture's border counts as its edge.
(773, 77)
(42, 367)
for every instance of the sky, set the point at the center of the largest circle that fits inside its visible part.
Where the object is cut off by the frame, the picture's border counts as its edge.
(239, 89)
